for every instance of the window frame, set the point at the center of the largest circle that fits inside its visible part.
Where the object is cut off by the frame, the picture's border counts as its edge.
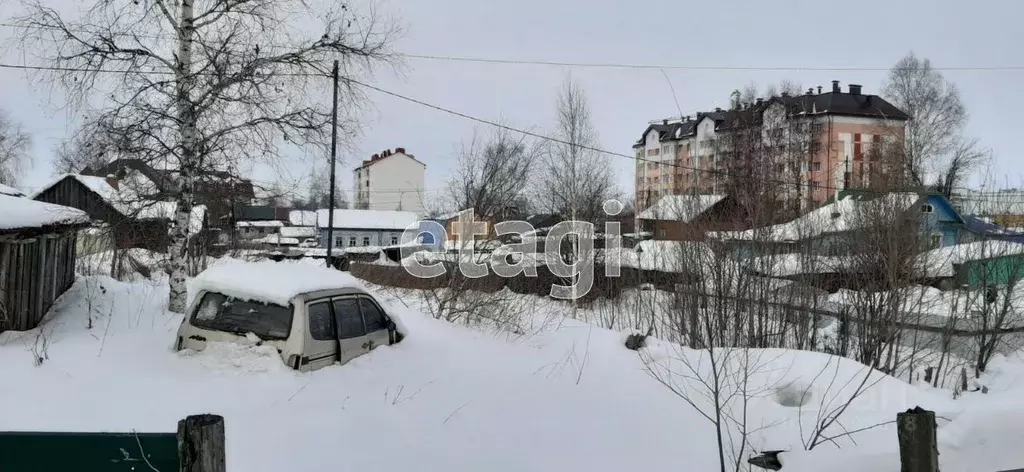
(330, 315)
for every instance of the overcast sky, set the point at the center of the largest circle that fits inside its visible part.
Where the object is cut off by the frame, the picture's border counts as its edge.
(866, 35)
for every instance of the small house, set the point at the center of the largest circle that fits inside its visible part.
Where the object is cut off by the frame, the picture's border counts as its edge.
(353, 228)
(837, 228)
(130, 213)
(37, 258)
(690, 217)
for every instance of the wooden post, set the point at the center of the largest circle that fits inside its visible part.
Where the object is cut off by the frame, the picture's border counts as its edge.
(918, 446)
(201, 444)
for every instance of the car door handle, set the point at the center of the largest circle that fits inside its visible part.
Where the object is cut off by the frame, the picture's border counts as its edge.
(197, 338)
(368, 345)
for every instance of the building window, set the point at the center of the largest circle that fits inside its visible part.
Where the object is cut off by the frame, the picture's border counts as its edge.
(366, 240)
(816, 166)
(935, 240)
(351, 240)
(927, 208)
(652, 152)
(394, 240)
(815, 184)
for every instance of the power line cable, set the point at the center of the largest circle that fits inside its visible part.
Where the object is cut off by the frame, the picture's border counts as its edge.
(580, 64)
(810, 185)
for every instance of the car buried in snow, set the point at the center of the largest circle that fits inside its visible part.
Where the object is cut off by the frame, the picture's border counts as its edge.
(313, 316)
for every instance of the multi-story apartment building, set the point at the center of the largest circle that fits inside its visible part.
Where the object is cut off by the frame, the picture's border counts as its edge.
(801, 148)
(390, 181)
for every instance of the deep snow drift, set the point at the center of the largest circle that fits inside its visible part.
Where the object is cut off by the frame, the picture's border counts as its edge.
(450, 398)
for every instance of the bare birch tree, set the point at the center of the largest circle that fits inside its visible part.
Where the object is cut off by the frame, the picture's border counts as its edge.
(933, 141)
(491, 174)
(204, 83)
(90, 146)
(574, 179)
(14, 146)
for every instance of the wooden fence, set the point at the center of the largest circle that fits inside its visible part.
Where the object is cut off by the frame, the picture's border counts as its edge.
(33, 273)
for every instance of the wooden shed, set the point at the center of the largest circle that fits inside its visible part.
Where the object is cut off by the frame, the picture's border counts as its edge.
(37, 258)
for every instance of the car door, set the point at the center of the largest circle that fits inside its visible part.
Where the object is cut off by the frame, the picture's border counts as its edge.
(321, 344)
(350, 328)
(376, 323)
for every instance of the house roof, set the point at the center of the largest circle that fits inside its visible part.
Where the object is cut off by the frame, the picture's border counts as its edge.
(132, 201)
(10, 191)
(847, 214)
(302, 217)
(368, 219)
(298, 231)
(21, 213)
(833, 103)
(680, 207)
(386, 154)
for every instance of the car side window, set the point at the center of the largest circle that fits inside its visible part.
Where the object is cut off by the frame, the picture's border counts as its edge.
(372, 315)
(348, 318)
(321, 324)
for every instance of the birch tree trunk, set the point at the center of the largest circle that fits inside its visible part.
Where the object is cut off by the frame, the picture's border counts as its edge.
(187, 120)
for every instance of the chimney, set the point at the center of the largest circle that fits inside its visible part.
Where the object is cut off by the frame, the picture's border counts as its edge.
(718, 109)
(664, 122)
(785, 94)
(760, 101)
(374, 157)
(819, 90)
(112, 182)
(854, 89)
(400, 150)
(810, 91)
(835, 86)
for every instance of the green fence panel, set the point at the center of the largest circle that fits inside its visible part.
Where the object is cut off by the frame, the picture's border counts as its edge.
(88, 452)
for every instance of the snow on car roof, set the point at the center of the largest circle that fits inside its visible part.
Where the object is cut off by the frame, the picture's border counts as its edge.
(270, 282)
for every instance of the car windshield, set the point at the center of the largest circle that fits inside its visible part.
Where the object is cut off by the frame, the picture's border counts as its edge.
(222, 313)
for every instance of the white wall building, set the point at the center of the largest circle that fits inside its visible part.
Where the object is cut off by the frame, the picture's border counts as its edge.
(390, 181)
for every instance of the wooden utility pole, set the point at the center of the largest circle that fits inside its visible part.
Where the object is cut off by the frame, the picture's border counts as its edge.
(918, 445)
(334, 150)
(201, 444)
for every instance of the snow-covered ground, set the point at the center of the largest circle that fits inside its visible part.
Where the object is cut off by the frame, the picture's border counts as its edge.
(569, 397)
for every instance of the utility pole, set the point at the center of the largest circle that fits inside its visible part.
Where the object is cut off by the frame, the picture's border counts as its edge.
(334, 150)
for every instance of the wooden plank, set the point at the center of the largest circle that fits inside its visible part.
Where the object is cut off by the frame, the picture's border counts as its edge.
(87, 452)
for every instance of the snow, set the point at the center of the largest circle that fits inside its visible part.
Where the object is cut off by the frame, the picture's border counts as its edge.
(20, 212)
(10, 191)
(566, 397)
(368, 219)
(847, 214)
(260, 224)
(270, 282)
(276, 239)
(786, 265)
(298, 231)
(680, 207)
(302, 218)
(939, 262)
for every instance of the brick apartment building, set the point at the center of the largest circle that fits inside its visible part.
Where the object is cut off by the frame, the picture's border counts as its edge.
(802, 148)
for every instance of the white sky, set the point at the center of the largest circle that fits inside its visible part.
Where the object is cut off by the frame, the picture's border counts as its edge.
(780, 33)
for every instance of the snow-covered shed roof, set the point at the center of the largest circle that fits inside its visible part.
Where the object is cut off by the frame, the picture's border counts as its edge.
(298, 231)
(260, 224)
(276, 239)
(22, 213)
(129, 198)
(368, 219)
(939, 262)
(847, 214)
(680, 207)
(10, 191)
(302, 218)
(270, 282)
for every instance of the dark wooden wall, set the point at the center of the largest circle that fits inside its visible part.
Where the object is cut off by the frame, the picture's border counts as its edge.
(127, 232)
(33, 273)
